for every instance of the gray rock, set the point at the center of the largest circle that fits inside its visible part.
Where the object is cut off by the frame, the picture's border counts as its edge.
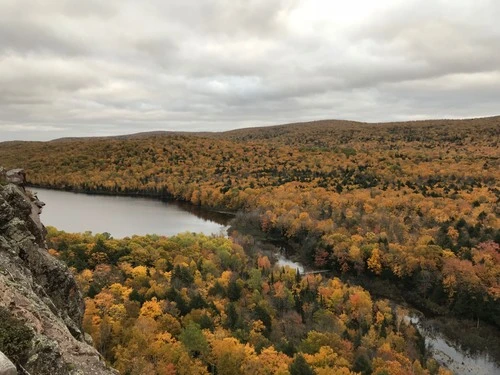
(6, 366)
(16, 176)
(40, 290)
(3, 176)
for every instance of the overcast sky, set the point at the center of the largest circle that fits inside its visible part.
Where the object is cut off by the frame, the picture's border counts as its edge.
(104, 67)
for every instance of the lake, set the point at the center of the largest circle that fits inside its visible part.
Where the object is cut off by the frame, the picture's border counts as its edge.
(123, 216)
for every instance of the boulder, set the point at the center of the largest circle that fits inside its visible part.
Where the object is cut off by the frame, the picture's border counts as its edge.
(16, 176)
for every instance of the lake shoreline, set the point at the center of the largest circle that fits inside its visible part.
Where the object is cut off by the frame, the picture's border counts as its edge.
(134, 194)
(124, 216)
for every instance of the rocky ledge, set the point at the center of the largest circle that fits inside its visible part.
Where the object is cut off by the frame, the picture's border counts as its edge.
(41, 308)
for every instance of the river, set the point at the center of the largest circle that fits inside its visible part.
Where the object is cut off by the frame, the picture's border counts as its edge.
(446, 352)
(125, 216)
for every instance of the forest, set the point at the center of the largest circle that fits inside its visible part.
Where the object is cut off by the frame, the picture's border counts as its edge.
(413, 205)
(193, 304)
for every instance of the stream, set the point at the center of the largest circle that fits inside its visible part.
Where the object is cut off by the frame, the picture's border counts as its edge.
(450, 354)
(446, 352)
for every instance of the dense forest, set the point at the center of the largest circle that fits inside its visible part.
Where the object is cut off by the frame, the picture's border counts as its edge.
(192, 304)
(414, 205)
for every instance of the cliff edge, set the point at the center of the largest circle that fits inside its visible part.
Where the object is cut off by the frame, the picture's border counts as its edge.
(41, 308)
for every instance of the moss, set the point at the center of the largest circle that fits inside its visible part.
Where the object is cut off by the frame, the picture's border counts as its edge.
(15, 337)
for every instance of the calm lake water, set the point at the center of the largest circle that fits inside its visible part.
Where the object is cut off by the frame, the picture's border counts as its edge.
(125, 216)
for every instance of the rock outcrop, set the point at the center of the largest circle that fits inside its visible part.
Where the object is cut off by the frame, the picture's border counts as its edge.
(6, 366)
(38, 292)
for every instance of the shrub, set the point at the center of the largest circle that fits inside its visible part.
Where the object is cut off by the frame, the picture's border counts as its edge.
(15, 337)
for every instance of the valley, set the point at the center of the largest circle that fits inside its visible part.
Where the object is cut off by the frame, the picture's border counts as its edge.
(407, 210)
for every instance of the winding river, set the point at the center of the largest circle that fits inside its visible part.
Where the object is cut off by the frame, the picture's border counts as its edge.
(449, 354)
(446, 352)
(125, 216)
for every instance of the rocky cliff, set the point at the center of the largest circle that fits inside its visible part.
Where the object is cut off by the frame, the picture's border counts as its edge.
(41, 307)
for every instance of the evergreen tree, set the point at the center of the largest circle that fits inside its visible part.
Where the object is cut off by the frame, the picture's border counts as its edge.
(299, 366)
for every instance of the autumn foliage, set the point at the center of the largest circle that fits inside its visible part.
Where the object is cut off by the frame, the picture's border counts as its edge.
(413, 204)
(192, 304)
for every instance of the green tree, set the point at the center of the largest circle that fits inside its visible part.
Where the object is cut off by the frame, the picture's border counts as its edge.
(193, 340)
(299, 366)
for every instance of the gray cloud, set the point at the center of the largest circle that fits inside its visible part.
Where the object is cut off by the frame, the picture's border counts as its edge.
(71, 68)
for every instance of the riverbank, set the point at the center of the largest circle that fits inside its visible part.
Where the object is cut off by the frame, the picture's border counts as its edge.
(454, 354)
(460, 345)
(462, 339)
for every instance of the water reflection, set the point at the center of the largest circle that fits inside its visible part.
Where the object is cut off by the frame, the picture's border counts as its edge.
(125, 216)
(449, 354)
(218, 217)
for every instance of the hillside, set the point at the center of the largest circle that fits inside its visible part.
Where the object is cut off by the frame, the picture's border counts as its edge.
(413, 204)
(196, 304)
(334, 128)
(329, 154)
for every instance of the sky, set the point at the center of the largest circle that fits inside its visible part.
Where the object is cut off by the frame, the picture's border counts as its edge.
(93, 67)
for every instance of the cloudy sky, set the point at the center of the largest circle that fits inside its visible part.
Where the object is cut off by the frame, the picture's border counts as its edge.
(94, 67)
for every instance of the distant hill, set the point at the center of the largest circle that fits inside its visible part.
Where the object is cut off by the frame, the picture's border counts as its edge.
(318, 128)
(310, 128)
